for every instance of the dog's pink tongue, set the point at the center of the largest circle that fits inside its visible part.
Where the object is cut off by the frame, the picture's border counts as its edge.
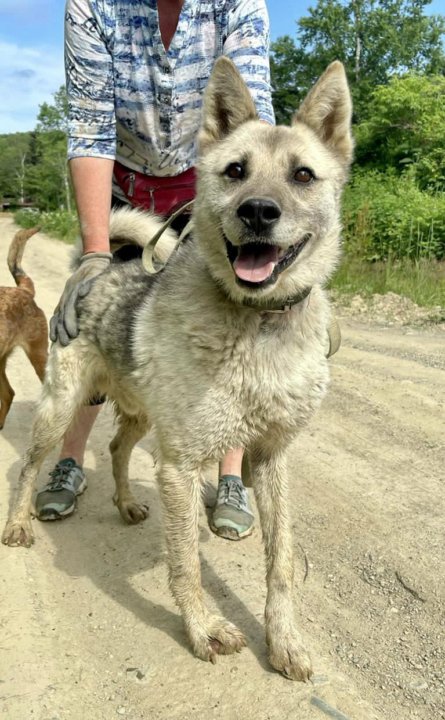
(258, 265)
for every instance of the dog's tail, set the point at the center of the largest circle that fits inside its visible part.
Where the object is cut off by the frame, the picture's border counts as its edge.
(130, 226)
(15, 256)
(136, 227)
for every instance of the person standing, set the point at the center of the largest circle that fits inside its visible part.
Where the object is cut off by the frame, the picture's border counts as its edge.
(135, 76)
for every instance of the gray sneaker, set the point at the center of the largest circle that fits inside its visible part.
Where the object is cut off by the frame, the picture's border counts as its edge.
(232, 517)
(58, 499)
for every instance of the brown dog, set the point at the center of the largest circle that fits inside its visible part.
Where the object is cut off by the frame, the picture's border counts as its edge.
(22, 323)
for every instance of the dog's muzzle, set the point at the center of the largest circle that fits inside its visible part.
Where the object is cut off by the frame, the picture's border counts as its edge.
(258, 264)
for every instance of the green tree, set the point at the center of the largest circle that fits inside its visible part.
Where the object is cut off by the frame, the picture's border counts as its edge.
(48, 180)
(375, 39)
(405, 129)
(287, 64)
(54, 117)
(14, 155)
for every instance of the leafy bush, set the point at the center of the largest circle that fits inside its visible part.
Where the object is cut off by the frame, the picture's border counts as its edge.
(405, 126)
(60, 223)
(27, 218)
(387, 216)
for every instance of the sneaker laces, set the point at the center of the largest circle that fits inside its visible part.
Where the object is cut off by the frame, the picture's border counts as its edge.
(60, 477)
(231, 492)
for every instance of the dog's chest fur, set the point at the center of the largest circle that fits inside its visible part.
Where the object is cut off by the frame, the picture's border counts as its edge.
(226, 376)
(205, 370)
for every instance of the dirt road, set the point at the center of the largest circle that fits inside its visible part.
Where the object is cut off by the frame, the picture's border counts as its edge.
(88, 628)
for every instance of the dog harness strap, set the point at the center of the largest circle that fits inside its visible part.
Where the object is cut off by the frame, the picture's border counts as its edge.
(149, 262)
(334, 332)
(281, 307)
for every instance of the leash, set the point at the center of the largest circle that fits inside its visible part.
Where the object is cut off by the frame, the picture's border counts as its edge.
(334, 335)
(149, 262)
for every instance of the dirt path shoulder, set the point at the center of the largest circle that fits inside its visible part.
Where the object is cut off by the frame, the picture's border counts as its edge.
(88, 628)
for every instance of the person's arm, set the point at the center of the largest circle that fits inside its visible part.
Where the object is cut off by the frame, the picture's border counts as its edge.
(91, 150)
(91, 118)
(247, 44)
(91, 178)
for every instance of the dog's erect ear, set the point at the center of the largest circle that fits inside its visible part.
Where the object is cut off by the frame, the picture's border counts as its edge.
(227, 103)
(328, 109)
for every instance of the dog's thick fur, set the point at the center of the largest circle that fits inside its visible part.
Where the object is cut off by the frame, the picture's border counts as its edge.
(22, 323)
(182, 352)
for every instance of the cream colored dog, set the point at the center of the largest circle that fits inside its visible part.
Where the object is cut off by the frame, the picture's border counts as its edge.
(225, 348)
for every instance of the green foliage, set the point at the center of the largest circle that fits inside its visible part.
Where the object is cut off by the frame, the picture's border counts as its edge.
(54, 117)
(48, 176)
(386, 216)
(47, 179)
(286, 66)
(27, 218)
(406, 127)
(33, 165)
(60, 224)
(14, 154)
(375, 39)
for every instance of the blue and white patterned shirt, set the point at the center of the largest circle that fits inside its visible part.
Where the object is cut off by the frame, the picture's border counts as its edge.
(131, 100)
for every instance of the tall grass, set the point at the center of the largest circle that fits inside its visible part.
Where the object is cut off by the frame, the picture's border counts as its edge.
(422, 280)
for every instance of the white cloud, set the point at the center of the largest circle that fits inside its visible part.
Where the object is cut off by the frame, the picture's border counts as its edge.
(29, 77)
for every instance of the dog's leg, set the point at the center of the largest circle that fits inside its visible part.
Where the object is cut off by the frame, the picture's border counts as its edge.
(131, 429)
(6, 392)
(54, 414)
(209, 635)
(286, 652)
(37, 353)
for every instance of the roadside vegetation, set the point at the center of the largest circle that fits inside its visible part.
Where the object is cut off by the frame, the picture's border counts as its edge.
(394, 205)
(60, 224)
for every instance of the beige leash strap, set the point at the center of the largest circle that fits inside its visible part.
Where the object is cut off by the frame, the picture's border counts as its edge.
(149, 262)
(334, 334)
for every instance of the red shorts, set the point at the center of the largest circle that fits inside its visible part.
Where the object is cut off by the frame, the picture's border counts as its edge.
(162, 195)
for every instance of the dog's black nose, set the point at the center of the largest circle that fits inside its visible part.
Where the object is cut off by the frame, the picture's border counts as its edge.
(259, 214)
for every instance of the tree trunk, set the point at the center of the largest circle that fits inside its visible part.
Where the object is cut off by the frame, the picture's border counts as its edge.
(356, 11)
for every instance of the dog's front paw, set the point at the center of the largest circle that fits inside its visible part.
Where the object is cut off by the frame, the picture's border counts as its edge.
(217, 637)
(18, 534)
(132, 511)
(289, 657)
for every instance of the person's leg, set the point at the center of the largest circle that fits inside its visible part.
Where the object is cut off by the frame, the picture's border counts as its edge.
(232, 517)
(231, 463)
(58, 498)
(75, 440)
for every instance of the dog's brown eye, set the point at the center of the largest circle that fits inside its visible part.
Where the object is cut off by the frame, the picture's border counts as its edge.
(235, 171)
(303, 176)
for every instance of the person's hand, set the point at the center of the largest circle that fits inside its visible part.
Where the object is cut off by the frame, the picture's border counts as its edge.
(63, 325)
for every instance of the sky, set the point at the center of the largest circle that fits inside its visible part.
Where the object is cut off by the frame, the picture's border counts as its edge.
(31, 52)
